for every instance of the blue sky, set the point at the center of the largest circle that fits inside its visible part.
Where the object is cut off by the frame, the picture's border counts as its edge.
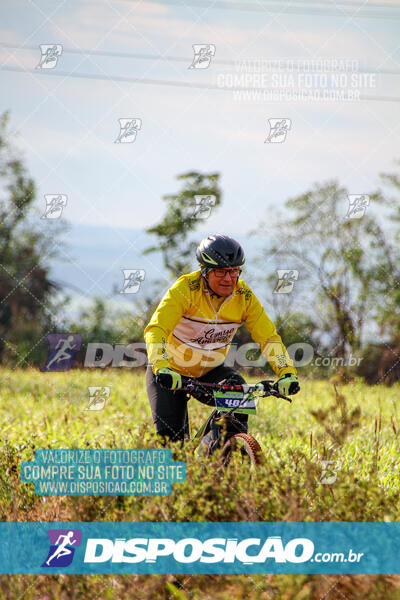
(66, 126)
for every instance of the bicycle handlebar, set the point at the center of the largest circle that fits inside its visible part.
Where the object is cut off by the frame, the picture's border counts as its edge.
(265, 387)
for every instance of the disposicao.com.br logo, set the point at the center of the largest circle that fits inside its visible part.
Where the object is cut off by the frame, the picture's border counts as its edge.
(212, 550)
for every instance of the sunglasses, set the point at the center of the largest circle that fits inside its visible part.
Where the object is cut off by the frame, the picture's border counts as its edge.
(232, 272)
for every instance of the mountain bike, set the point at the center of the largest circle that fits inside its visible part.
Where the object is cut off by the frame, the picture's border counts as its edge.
(222, 430)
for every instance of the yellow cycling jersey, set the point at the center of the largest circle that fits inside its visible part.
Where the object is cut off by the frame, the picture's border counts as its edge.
(191, 332)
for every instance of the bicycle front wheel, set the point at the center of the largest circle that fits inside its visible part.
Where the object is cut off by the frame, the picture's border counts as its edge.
(241, 451)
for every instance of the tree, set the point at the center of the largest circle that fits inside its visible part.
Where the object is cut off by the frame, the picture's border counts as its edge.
(181, 217)
(26, 291)
(381, 362)
(339, 260)
(389, 309)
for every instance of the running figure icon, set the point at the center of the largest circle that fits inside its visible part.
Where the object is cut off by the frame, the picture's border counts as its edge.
(62, 549)
(63, 345)
(63, 544)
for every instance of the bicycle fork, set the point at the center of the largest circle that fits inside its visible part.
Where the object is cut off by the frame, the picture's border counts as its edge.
(210, 441)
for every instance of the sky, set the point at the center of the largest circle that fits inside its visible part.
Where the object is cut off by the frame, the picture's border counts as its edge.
(65, 120)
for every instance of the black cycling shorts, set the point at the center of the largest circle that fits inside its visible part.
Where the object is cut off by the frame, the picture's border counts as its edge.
(169, 408)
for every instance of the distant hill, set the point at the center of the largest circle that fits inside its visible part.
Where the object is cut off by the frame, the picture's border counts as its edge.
(93, 258)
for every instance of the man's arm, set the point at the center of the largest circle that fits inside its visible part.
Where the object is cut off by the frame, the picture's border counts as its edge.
(265, 335)
(163, 321)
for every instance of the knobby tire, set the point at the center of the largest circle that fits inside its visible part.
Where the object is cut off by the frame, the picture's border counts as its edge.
(249, 446)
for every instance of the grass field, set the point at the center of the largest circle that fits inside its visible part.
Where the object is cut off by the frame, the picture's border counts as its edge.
(357, 427)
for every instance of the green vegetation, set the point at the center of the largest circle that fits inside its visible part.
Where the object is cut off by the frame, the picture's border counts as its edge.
(356, 426)
(180, 219)
(28, 295)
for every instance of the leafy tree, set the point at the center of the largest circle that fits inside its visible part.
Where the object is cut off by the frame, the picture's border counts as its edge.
(180, 218)
(339, 259)
(296, 327)
(27, 308)
(381, 362)
(389, 307)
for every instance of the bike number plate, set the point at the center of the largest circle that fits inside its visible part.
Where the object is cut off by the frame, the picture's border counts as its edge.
(229, 400)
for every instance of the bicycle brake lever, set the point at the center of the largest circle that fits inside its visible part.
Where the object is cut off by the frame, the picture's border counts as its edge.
(272, 391)
(278, 395)
(265, 385)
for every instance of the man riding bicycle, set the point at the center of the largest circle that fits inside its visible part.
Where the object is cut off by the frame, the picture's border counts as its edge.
(191, 331)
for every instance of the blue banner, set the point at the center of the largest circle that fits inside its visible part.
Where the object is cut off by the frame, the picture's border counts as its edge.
(213, 548)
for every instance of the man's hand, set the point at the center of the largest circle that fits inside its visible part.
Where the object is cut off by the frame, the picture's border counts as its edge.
(287, 385)
(169, 379)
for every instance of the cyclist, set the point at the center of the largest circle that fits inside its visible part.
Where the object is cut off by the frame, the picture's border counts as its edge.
(191, 330)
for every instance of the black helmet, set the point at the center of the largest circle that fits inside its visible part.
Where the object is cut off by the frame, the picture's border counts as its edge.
(220, 251)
